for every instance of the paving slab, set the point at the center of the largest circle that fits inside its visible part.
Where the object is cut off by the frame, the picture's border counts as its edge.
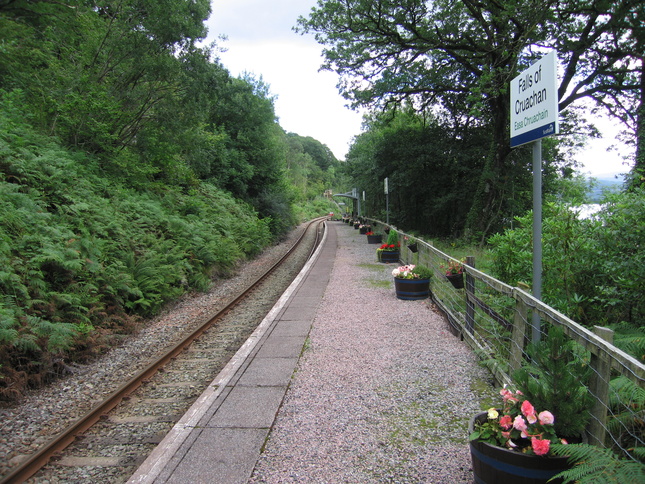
(268, 372)
(220, 438)
(229, 455)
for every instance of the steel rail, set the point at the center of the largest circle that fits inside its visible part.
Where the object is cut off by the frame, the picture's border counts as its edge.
(39, 459)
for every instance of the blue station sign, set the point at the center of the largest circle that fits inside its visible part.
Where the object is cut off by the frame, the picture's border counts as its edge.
(534, 102)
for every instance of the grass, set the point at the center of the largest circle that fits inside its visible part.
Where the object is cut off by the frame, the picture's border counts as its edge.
(459, 250)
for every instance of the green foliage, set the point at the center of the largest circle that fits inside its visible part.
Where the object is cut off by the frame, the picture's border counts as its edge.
(627, 406)
(555, 377)
(315, 208)
(422, 272)
(133, 169)
(412, 55)
(630, 339)
(428, 165)
(592, 464)
(620, 243)
(83, 254)
(311, 167)
(593, 270)
(392, 238)
(128, 83)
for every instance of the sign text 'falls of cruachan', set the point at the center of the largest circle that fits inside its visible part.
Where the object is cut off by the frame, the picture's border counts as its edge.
(534, 102)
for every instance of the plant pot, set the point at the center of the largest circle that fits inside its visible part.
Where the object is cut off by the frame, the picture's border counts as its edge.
(363, 230)
(356, 225)
(390, 256)
(374, 239)
(494, 465)
(457, 280)
(413, 248)
(412, 289)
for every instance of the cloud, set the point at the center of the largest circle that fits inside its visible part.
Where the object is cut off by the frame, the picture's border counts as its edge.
(261, 42)
(258, 20)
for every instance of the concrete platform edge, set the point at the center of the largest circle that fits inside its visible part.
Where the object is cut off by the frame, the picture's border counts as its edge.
(153, 466)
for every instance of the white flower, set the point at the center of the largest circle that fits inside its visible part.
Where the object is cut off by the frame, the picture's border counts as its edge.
(396, 272)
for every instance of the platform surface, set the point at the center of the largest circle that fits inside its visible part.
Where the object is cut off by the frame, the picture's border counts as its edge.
(220, 438)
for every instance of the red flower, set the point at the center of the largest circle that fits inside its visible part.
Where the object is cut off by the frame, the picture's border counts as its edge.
(540, 447)
(506, 422)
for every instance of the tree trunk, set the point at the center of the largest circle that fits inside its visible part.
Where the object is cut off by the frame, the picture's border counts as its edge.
(485, 213)
(638, 172)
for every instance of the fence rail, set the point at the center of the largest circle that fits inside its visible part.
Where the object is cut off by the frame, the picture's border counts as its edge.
(495, 319)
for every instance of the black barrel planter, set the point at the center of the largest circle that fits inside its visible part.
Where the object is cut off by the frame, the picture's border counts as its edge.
(412, 289)
(494, 465)
(390, 256)
(457, 280)
(374, 239)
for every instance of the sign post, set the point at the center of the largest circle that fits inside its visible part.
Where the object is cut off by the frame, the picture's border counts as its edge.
(387, 203)
(534, 115)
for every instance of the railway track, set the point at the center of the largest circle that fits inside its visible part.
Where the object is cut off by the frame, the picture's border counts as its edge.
(111, 440)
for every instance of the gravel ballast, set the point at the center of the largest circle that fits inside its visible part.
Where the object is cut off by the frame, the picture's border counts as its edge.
(383, 391)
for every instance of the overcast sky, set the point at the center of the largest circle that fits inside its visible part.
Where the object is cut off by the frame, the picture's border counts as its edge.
(261, 41)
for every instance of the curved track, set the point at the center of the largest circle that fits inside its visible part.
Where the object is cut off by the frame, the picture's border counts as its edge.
(133, 419)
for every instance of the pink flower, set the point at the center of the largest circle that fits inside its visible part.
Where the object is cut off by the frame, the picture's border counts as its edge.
(506, 422)
(507, 395)
(519, 423)
(527, 408)
(546, 418)
(529, 412)
(540, 446)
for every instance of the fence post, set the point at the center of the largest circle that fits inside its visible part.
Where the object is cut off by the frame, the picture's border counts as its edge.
(599, 388)
(520, 325)
(470, 291)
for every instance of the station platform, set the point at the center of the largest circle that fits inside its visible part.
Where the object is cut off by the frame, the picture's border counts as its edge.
(341, 383)
(220, 438)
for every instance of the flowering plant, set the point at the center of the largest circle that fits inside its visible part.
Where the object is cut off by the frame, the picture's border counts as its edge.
(411, 271)
(454, 267)
(391, 247)
(369, 233)
(518, 426)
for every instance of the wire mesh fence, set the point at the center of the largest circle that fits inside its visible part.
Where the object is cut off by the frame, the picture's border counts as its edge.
(506, 326)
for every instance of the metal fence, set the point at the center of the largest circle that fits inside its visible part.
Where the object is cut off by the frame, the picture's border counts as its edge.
(498, 322)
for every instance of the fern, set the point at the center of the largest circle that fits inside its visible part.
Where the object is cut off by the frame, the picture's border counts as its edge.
(59, 336)
(630, 339)
(627, 403)
(8, 332)
(593, 465)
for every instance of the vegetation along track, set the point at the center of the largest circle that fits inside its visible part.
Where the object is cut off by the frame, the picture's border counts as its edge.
(109, 442)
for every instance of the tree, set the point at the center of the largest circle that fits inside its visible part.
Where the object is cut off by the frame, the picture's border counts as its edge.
(431, 185)
(95, 72)
(459, 57)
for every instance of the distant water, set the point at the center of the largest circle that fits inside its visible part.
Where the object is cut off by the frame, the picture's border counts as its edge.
(588, 209)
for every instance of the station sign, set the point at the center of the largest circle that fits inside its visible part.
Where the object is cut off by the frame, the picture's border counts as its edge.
(534, 102)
